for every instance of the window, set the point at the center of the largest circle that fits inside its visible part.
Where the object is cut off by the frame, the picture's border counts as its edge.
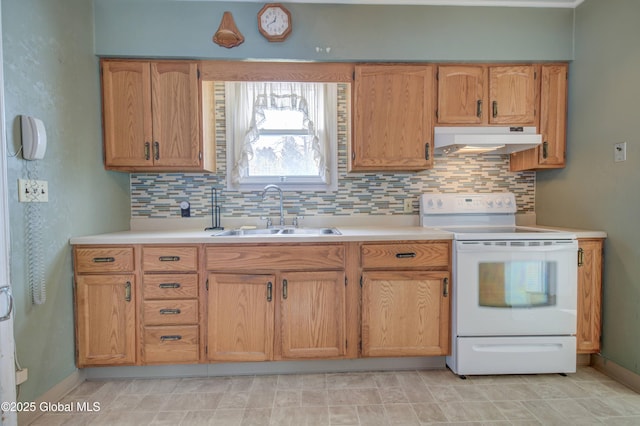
(283, 133)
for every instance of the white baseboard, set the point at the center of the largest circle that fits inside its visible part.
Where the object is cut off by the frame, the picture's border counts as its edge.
(616, 372)
(54, 394)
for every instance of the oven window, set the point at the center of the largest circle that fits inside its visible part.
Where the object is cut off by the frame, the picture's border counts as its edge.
(517, 284)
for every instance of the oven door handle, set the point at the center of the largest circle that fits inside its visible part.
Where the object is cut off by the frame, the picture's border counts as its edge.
(480, 247)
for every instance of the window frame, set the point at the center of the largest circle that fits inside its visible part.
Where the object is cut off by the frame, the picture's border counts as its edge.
(288, 183)
(296, 71)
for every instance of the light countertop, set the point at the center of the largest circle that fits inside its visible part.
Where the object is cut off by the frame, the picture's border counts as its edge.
(374, 232)
(364, 233)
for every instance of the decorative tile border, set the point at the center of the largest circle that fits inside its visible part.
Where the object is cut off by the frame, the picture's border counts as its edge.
(159, 195)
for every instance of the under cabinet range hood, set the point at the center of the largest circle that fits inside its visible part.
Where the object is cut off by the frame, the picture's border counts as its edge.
(477, 140)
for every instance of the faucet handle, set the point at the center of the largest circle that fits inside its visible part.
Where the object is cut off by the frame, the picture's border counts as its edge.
(268, 219)
(296, 220)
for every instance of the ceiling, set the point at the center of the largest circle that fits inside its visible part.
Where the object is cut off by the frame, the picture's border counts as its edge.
(504, 3)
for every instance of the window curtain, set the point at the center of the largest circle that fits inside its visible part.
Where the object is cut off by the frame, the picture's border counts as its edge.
(247, 101)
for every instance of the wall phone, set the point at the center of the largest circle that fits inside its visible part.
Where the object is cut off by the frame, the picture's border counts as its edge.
(34, 138)
(34, 146)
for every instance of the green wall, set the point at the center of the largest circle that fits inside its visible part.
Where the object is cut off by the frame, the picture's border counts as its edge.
(354, 33)
(593, 192)
(51, 72)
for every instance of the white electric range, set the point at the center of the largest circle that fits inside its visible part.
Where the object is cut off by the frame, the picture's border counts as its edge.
(514, 288)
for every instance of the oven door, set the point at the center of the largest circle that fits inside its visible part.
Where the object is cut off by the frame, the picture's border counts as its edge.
(515, 288)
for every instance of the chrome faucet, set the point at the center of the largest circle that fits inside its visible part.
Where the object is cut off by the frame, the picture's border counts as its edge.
(275, 188)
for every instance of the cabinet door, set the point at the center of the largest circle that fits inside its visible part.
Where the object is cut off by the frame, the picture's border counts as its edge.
(405, 313)
(589, 295)
(176, 128)
(105, 319)
(553, 115)
(126, 108)
(393, 122)
(312, 314)
(461, 94)
(513, 95)
(240, 317)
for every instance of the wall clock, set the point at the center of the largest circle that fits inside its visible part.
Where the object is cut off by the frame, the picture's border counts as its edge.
(274, 22)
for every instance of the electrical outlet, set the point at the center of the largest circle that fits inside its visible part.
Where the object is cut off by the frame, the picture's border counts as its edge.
(22, 376)
(620, 152)
(33, 191)
(408, 205)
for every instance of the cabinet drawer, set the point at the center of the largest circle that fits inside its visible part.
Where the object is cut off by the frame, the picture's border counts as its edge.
(289, 257)
(164, 312)
(170, 286)
(176, 344)
(169, 258)
(108, 259)
(405, 255)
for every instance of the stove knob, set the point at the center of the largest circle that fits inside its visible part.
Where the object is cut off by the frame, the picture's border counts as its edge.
(430, 203)
(507, 201)
(499, 203)
(439, 204)
(490, 204)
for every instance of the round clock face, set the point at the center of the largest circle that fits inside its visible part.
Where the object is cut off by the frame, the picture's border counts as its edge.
(274, 22)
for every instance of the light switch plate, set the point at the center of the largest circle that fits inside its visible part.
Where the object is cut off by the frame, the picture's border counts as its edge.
(33, 191)
(408, 205)
(620, 152)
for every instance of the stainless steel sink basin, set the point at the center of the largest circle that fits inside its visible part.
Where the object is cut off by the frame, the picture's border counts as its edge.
(277, 232)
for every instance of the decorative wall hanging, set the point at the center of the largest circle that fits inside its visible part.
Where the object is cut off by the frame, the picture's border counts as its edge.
(228, 34)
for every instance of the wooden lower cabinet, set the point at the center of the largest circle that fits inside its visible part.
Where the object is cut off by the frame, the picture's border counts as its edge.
(589, 295)
(405, 313)
(105, 302)
(264, 317)
(292, 307)
(105, 320)
(240, 317)
(312, 314)
(170, 307)
(406, 308)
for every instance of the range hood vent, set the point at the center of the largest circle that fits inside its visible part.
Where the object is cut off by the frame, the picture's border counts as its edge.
(477, 140)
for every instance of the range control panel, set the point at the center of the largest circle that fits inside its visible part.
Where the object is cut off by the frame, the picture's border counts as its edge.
(490, 203)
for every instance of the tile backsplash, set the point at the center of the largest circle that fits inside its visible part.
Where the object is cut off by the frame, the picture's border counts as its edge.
(158, 195)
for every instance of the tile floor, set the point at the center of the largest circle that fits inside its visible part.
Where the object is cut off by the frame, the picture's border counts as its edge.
(369, 398)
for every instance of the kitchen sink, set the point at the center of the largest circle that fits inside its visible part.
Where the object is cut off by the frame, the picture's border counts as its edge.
(277, 231)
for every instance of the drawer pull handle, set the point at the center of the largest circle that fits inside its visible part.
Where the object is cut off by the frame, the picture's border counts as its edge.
(445, 291)
(169, 311)
(580, 256)
(285, 289)
(127, 291)
(169, 285)
(170, 338)
(405, 255)
(269, 291)
(169, 258)
(104, 259)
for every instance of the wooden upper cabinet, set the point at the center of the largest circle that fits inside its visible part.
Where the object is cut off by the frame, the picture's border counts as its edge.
(488, 95)
(513, 95)
(126, 109)
(176, 131)
(151, 114)
(553, 122)
(461, 94)
(393, 118)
